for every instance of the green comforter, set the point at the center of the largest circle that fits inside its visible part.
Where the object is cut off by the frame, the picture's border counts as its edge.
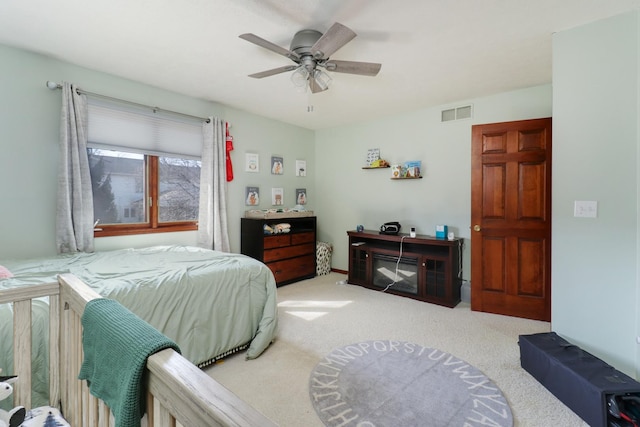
(208, 302)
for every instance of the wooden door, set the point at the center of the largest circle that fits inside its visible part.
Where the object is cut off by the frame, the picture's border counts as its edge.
(511, 218)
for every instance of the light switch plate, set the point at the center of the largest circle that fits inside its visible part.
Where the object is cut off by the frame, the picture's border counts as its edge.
(585, 209)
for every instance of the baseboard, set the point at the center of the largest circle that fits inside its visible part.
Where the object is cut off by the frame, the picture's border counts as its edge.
(335, 270)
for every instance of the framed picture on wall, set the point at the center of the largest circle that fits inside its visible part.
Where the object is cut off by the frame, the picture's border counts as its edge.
(252, 162)
(252, 196)
(301, 168)
(277, 165)
(301, 196)
(373, 154)
(277, 196)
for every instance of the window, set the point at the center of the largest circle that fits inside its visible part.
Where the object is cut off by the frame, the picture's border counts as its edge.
(179, 189)
(167, 200)
(114, 175)
(145, 171)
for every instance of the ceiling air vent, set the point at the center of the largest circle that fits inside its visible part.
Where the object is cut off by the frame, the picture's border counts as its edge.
(457, 113)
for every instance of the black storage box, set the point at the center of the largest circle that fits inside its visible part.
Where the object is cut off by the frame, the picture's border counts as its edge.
(580, 380)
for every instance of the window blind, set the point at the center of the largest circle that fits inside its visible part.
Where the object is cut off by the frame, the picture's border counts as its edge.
(132, 128)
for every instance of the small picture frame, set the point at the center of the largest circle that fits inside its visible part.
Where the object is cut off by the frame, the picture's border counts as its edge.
(277, 165)
(373, 154)
(301, 168)
(252, 162)
(252, 196)
(277, 196)
(301, 196)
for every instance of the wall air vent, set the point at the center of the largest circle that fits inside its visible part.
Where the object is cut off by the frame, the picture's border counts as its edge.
(457, 113)
(448, 115)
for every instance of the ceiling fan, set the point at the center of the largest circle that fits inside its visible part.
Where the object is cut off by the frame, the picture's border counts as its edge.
(310, 50)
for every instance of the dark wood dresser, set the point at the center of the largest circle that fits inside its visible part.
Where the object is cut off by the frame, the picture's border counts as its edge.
(290, 256)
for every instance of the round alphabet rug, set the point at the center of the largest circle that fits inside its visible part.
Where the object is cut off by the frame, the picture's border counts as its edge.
(401, 384)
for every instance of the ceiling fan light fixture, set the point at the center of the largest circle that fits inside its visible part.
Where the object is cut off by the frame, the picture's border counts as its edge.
(300, 77)
(322, 79)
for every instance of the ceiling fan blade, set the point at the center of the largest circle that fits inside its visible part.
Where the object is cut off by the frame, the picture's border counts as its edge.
(353, 67)
(271, 46)
(335, 37)
(273, 72)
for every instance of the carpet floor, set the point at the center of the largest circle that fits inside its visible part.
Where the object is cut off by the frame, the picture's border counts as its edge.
(319, 315)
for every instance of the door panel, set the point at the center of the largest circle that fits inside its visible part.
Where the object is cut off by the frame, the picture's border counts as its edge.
(492, 273)
(493, 196)
(510, 213)
(530, 201)
(531, 273)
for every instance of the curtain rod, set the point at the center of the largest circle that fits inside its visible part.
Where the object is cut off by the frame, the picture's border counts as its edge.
(53, 86)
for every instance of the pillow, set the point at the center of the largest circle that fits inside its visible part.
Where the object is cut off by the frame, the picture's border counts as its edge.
(5, 273)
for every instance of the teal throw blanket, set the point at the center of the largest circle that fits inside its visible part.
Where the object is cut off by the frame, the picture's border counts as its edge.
(116, 346)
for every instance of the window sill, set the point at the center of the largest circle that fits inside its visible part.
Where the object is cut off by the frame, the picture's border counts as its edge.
(115, 230)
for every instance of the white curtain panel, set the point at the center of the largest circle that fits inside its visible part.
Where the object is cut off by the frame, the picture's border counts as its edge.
(74, 213)
(212, 216)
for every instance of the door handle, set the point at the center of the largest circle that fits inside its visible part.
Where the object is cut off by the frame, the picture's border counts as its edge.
(477, 228)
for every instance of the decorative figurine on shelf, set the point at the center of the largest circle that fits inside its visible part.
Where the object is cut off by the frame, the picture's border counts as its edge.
(379, 163)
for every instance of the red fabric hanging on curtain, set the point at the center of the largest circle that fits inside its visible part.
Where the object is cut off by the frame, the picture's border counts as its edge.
(229, 148)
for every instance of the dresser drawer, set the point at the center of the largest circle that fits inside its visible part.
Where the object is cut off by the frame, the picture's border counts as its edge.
(288, 252)
(293, 268)
(277, 241)
(299, 238)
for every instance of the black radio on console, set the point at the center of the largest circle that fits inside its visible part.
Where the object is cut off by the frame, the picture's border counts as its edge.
(390, 228)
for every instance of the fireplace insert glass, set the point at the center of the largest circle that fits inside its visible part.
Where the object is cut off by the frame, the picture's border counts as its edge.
(400, 276)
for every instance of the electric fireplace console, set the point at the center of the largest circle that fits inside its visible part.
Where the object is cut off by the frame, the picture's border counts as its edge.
(421, 267)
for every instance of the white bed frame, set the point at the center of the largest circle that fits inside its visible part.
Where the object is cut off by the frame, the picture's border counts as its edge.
(178, 392)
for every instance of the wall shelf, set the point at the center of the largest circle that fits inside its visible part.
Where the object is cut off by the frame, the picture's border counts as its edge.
(376, 167)
(408, 177)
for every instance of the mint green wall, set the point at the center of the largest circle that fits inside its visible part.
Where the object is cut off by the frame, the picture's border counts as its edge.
(595, 265)
(349, 195)
(29, 128)
(340, 192)
(28, 133)
(255, 134)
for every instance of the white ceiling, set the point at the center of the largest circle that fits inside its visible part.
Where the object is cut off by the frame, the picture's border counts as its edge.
(433, 52)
